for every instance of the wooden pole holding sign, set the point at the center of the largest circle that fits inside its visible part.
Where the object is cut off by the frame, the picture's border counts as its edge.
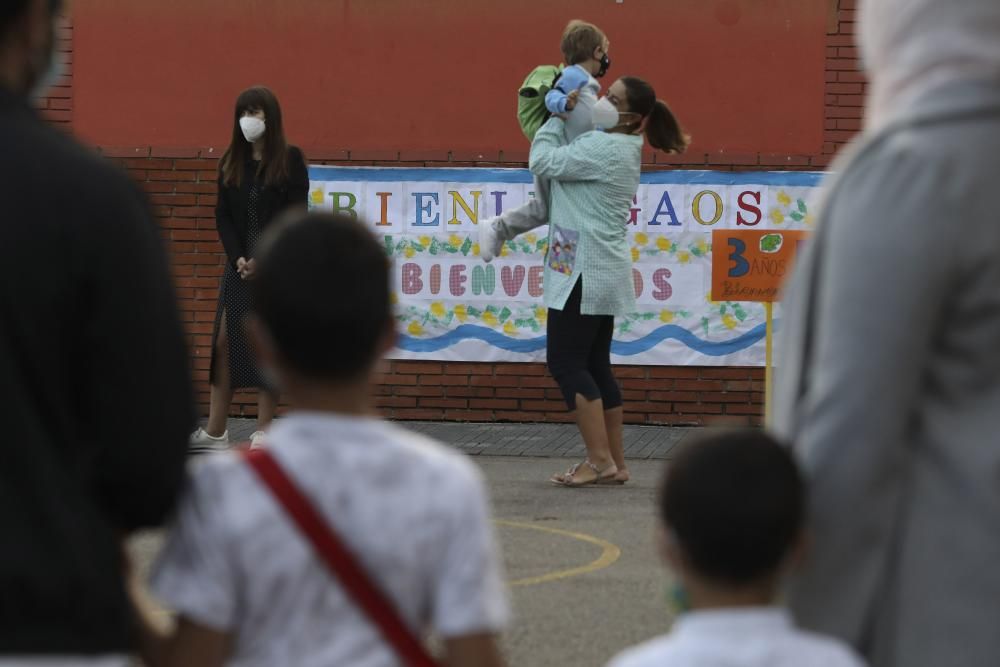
(768, 360)
(751, 265)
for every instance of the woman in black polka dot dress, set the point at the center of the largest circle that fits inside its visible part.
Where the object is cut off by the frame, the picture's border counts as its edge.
(260, 176)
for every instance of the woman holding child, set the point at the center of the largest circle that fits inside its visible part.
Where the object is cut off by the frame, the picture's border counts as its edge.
(593, 181)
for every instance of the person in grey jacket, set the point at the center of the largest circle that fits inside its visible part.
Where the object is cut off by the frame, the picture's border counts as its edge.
(889, 378)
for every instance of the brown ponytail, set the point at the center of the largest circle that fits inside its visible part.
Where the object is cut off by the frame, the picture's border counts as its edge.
(663, 131)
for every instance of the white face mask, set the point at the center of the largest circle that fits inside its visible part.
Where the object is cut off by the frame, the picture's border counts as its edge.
(604, 115)
(253, 128)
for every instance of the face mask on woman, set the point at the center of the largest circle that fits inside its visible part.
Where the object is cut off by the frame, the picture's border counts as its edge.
(604, 115)
(253, 128)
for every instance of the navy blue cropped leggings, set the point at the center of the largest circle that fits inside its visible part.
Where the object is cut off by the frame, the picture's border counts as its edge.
(578, 353)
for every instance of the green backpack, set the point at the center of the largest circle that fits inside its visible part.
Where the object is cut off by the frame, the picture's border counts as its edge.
(531, 111)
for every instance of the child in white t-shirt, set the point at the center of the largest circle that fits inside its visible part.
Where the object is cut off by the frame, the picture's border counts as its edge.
(574, 94)
(733, 507)
(249, 589)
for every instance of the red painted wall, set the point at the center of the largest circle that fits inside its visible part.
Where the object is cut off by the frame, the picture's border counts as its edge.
(149, 124)
(745, 76)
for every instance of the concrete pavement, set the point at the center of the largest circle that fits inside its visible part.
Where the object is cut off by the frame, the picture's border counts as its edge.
(585, 577)
(586, 618)
(546, 440)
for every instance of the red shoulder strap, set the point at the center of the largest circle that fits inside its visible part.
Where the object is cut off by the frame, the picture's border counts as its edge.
(339, 560)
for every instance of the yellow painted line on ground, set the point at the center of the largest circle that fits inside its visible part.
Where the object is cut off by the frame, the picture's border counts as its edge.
(608, 556)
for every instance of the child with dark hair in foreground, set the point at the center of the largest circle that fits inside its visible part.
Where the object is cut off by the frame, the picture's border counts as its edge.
(733, 508)
(248, 587)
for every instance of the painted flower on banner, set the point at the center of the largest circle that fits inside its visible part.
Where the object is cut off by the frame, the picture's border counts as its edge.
(403, 246)
(799, 211)
(514, 321)
(790, 208)
(631, 321)
(406, 246)
(731, 315)
(684, 248)
(438, 317)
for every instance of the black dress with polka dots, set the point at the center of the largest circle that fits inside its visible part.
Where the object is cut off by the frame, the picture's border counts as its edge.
(235, 300)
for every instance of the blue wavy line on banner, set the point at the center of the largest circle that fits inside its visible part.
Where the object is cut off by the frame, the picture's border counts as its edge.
(644, 344)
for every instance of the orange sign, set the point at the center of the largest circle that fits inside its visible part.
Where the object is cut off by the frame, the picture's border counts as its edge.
(751, 265)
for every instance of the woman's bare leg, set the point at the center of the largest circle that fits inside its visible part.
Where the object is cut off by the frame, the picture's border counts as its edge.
(590, 420)
(267, 405)
(614, 423)
(221, 393)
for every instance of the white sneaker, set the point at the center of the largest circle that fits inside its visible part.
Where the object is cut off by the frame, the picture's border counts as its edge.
(201, 441)
(490, 243)
(257, 440)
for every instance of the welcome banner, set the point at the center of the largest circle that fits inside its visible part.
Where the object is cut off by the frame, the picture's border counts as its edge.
(453, 306)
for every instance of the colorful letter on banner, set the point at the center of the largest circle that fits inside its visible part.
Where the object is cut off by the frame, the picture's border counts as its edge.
(453, 306)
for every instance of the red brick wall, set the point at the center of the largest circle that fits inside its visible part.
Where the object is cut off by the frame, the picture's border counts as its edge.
(56, 104)
(845, 84)
(181, 183)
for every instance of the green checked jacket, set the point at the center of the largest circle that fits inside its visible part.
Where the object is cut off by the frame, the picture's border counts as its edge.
(593, 181)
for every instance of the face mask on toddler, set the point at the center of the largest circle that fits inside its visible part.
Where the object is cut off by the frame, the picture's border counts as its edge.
(605, 64)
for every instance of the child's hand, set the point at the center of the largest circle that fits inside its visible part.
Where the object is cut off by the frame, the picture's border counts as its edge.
(570, 104)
